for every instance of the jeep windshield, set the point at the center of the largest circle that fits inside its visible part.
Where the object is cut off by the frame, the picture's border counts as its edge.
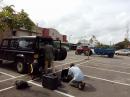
(55, 43)
(42, 41)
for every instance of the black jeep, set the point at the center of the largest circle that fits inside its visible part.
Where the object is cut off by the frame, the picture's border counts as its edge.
(28, 49)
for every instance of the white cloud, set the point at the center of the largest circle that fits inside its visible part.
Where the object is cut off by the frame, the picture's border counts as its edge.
(106, 19)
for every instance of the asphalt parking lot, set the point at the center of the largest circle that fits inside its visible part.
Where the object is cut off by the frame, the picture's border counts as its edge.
(105, 77)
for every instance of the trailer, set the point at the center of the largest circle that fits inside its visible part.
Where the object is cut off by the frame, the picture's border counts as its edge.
(105, 51)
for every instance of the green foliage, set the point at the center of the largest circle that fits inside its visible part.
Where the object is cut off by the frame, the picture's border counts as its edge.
(123, 44)
(100, 45)
(9, 19)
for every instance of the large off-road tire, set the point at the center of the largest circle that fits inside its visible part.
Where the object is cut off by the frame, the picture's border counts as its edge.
(1, 62)
(62, 54)
(56, 53)
(76, 53)
(90, 53)
(86, 53)
(21, 67)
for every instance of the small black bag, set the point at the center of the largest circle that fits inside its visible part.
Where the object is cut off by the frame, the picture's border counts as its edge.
(21, 84)
(64, 75)
(50, 81)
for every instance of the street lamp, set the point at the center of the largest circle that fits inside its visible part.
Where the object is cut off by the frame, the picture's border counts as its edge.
(69, 41)
(70, 38)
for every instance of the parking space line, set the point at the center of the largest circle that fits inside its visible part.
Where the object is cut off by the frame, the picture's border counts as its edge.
(7, 74)
(6, 88)
(62, 93)
(98, 64)
(106, 69)
(65, 94)
(104, 62)
(70, 62)
(11, 78)
(74, 62)
(116, 82)
(10, 87)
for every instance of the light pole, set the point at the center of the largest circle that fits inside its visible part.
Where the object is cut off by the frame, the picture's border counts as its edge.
(110, 43)
(69, 41)
(70, 38)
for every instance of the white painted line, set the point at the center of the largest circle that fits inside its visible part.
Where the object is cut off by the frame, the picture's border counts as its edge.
(105, 63)
(35, 84)
(66, 64)
(65, 94)
(6, 88)
(11, 78)
(75, 58)
(7, 74)
(106, 69)
(98, 64)
(74, 62)
(62, 93)
(116, 82)
(10, 87)
(68, 60)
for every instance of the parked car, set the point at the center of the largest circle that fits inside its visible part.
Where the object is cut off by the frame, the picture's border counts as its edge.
(122, 52)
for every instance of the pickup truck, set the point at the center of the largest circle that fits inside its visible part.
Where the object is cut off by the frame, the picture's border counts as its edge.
(105, 51)
(26, 50)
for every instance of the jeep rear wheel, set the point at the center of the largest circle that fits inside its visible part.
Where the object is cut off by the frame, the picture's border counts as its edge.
(21, 67)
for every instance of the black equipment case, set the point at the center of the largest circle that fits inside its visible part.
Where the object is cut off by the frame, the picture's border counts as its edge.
(50, 81)
(64, 75)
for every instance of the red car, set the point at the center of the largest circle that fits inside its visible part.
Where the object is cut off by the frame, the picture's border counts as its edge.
(83, 50)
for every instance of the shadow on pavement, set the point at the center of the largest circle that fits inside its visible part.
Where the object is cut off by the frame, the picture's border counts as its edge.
(89, 88)
(9, 66)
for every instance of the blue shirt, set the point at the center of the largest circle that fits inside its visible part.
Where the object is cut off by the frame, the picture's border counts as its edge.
(76, 73)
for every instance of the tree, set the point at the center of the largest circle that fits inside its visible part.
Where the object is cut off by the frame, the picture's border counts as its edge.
(9, 19)
(122, 44)
(100, 45)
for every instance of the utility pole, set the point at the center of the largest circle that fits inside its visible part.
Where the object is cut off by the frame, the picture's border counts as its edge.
(127, 32)
(110, 43)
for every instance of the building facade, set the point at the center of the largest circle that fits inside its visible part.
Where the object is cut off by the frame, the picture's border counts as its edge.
(38, 31)
(50, 32)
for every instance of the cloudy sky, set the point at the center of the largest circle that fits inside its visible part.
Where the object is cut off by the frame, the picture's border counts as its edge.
(108, 20)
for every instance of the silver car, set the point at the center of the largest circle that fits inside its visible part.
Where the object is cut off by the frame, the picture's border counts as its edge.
(122, 52)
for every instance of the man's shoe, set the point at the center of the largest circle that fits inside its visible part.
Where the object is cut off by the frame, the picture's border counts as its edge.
(81, 86)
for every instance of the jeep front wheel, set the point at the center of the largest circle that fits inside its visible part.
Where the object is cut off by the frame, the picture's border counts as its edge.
(21, 68)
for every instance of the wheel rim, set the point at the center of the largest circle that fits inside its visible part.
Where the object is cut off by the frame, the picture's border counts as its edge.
(20, 67)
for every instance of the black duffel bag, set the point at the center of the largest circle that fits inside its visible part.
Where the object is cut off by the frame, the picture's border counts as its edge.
(50, 81)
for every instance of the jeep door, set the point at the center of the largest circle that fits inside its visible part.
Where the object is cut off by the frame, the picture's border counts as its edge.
(13, 49)
(26, 47)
